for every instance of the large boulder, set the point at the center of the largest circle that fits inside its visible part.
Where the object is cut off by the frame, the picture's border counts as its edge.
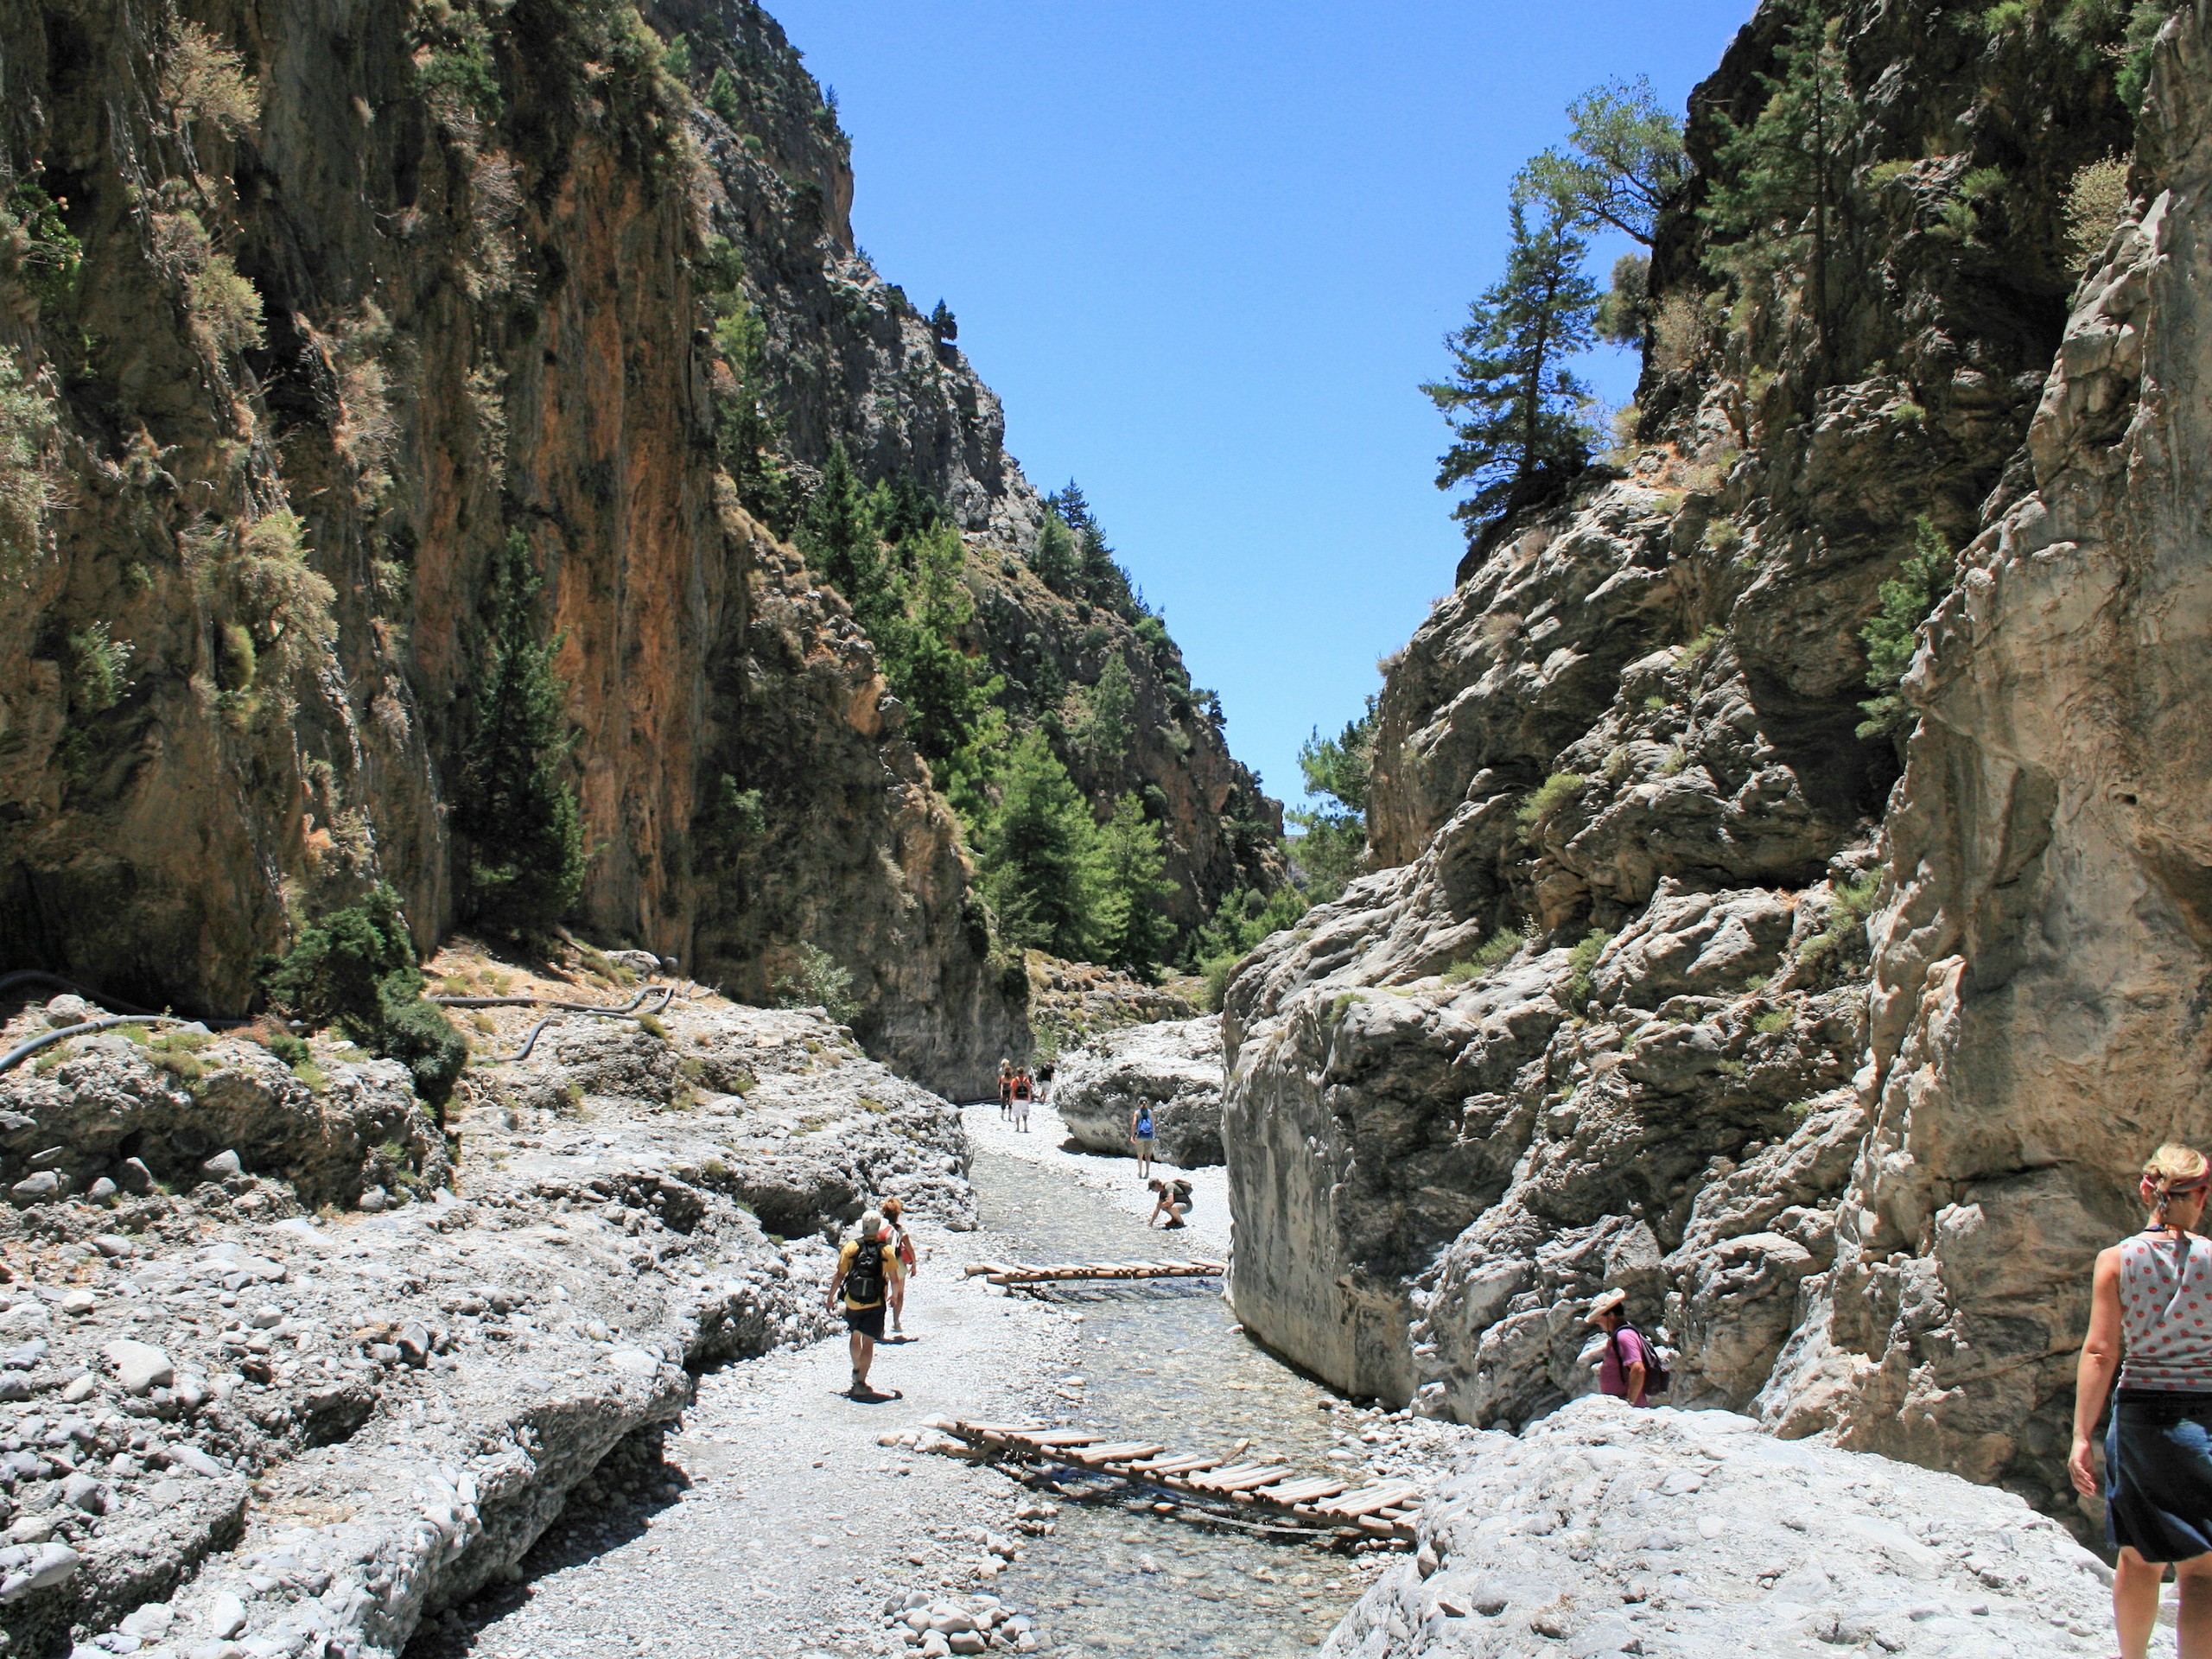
(1174, 1067)
(1606, 1530)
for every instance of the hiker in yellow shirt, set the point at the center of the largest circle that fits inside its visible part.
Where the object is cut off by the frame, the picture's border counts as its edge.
(868, 1267)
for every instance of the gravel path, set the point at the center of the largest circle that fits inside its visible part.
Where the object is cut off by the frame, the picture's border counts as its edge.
(777, 1524)
(1116, 1179)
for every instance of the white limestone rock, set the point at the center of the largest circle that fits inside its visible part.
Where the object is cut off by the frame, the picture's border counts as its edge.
(1605, 1530)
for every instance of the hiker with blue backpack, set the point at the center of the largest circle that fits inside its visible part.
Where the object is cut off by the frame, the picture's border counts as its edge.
(1140, 1134)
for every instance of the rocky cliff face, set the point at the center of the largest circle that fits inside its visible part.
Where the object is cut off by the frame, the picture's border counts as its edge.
(306, 313)
(1601, 1016)
(2042, 938)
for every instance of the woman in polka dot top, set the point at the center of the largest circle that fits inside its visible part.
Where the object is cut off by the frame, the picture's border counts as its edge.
(2152, 1303)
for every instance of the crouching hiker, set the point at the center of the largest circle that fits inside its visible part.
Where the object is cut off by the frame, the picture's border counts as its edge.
(1173, 1203)
(867, 1267)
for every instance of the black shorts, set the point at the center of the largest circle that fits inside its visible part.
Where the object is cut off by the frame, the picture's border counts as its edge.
(2158, 1474)
(868, 1321)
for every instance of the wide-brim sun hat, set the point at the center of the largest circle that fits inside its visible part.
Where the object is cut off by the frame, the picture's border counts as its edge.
(1611, 1301)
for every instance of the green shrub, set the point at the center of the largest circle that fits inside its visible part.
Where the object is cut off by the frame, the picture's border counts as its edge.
(354, 967)
(1772, 1021)
(1842, 944)
(1492, 951)
(37, 244)
(652, 1025)
(2095, 199)
(1677, 758)
(461, 75)
(1552, 794)
(817, 980)
(1581, 962)
(1694, 651)
(204, 84)
(1892, 635)
(99, 663)
(225, 308)
(27, 488)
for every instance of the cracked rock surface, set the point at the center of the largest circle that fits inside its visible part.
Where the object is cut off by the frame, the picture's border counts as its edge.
(1605, 1530)
(236, 1427)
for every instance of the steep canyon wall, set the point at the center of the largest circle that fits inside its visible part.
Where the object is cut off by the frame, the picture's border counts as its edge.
(1665, 977)
(299, 338)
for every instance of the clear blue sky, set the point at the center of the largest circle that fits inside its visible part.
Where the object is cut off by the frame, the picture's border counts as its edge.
(1205, 251)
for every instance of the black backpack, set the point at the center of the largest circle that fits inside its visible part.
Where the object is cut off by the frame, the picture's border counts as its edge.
(1655, 1374)
(1183, 1194)
(864, 1279)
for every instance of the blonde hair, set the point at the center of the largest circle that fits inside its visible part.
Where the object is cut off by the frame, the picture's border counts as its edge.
(2172, 1171)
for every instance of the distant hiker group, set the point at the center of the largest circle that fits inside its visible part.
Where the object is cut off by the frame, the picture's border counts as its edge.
(1017, 1088)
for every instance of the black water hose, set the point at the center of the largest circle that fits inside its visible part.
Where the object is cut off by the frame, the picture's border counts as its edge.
(134, 1015)
(666, 993)
(21, 1052)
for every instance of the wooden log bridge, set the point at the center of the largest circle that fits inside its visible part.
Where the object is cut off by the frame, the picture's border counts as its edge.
(1054, 1273)
(1383, 1510)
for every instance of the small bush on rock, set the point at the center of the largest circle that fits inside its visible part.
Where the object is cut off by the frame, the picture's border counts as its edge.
(354, 967)
(1553, 793)
(2095, 199)
(818, 980)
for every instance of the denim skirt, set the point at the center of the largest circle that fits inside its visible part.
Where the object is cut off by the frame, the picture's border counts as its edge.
(2158, 1474)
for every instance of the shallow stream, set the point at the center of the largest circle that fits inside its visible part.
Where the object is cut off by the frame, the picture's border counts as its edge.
(1167, 1363)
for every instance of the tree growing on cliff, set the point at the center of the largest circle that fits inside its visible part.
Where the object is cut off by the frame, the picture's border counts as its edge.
(1043, 870)
(1098, 716)
(1892, 635)
(1054, 560)
(746, 435)
(515, 808)
(1514, 405)
(1337, 770)
(950, 693)
(1623, 163)
(1134, 931)
(1782, 203)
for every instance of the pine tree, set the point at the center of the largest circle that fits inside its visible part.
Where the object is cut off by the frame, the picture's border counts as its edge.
(1135, 932)
(1782, 202)
(839, 539)
(949, 692)
(1074, 511)
(1513, 403)
(514, 807)
(1099, 725)
(747, 437)
(1337, 770)
(943, 324)
(1623, 162)
(1042, 869)
(1054, 559)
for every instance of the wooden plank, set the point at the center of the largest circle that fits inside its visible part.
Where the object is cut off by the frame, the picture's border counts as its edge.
(1188, 1465)
(1124, 1450)
(1373, 1498)
(1300, 1491)
(1000, 1428)
(1055, 1439)
(1266, 1476)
